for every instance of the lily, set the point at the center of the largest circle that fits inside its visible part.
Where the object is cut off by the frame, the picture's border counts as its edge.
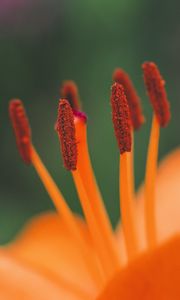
(62, 256)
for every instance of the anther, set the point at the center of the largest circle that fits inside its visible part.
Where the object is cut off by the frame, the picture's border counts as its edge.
(137, 117)
(69, 91)
(155, 88)
(121, 118)
(66, 131)
(21, 128)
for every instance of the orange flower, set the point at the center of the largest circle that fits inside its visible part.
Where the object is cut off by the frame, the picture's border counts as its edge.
(61, 256)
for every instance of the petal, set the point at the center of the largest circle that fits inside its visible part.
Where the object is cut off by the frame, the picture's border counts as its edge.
(153, 275)
(47, 243)
(20, 281)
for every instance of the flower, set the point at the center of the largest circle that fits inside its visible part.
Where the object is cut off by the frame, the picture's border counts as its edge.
(61, 256)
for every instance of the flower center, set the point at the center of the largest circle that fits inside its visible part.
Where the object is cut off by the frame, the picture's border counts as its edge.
(71, 127)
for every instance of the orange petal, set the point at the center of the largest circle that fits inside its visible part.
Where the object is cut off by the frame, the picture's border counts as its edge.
(154, 275)
(47, 244)
(167, 202)
(20, 281)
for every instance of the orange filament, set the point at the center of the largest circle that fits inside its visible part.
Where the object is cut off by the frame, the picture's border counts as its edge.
(133, 99)
(21, 128)
(98, 210)
(131, 154)
(69, 91)
(52, 189)
(127, 204)
(62, 209)
(150, 182)
(93, 226)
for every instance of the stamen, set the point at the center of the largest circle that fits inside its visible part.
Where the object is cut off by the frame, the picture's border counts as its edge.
(121, 122)
(85, 171)
(150, 183)
(137, 117)
(66, 131)
(69, 91)
(157, 93)
(21, 129)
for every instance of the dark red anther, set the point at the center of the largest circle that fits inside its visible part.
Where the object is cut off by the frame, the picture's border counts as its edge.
(69, 91)
(156, 91)
(66, 131)
(121, 118)
(21, 128)
(137, 117)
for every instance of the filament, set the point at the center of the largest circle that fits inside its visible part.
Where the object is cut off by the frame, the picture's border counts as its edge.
(92, 225)
(150, 178)
(127, 205)
(98, 209)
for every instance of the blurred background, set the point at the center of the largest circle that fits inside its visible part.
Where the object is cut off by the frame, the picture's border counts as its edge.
(44, 42)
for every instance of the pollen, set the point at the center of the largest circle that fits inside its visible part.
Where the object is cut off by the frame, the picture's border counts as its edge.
(121, 118)
(21, 128)
(66, 131)
(156, 91)
(137, 117)
(70, 92)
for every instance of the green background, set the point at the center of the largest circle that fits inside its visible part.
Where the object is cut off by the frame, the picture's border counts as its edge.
(44, 42)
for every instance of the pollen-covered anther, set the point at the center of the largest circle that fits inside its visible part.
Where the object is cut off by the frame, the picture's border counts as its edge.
(121, 118)
(21, 128)
(66, 131)
(156, 91)
(70, 92)
(137, 117)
